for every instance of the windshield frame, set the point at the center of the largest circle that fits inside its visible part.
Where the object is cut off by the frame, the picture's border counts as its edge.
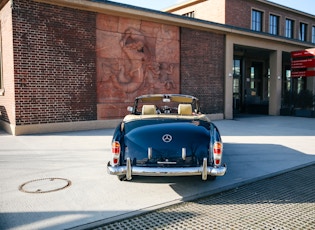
(166, 98)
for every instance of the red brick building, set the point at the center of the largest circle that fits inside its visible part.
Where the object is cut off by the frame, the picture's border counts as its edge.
(260, 63)
(72, 65)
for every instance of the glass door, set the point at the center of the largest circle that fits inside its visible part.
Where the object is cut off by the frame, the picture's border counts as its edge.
(237, 85)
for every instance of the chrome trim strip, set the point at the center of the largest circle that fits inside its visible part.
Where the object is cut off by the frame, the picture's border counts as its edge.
(128, 170)
(184, 153)
(204, 169)
(173, 171)
(149, 152)
(167, 162)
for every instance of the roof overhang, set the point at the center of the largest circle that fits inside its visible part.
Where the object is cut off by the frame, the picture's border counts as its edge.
(123, 10)
(2, 3)
(285, 8)
(183, 5)
(268, 3)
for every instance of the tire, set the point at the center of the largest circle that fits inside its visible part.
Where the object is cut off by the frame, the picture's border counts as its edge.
(122, 177)
(211, 178)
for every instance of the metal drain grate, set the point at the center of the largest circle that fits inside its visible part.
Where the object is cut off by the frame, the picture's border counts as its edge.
(286, 201)
(45, 185)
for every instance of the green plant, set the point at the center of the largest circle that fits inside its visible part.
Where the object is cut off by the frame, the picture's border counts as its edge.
(288, 99)
(305, 99)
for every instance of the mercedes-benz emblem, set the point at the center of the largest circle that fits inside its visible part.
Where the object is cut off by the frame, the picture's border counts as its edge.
(167, 138)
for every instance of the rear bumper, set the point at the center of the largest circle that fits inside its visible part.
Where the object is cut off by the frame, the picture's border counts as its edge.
(129, 170)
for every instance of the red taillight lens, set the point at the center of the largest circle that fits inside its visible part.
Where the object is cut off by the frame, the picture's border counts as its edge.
(217, 148)
(217, 152)
(115, 153)
(116, 147)
(115, 161)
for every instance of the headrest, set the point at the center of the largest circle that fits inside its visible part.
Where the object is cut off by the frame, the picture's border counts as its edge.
(184, 109)
(148, 109)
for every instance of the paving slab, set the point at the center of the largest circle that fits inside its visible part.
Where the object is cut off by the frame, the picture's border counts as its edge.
(59, 181)
(285, 201)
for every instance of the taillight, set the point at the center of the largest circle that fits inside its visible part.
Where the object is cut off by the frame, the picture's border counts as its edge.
(115, 153)
(217, 152)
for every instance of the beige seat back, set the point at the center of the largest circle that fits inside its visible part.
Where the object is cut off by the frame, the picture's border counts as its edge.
(148, 110)
(184, 109)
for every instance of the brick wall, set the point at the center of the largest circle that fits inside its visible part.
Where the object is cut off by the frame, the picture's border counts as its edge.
(238, 13)
(54, 63)
(202, 68)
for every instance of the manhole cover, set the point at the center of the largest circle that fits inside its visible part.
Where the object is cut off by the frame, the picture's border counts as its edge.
(45, 185)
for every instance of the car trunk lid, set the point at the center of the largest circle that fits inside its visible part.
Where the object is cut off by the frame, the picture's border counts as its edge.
(167, 145)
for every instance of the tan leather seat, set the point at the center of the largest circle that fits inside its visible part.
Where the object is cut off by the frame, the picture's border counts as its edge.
(184, 109)
(148, 110)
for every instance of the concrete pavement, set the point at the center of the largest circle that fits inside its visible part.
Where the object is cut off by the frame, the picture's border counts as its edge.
(255, 147)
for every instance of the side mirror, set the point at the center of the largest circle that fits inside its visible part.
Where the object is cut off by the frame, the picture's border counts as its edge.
(130, 109)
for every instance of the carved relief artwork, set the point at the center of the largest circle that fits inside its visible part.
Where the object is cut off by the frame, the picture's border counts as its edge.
(133, 58)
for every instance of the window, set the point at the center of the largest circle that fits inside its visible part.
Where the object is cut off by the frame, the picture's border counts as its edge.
(274, 24)
(257, 20)
(190, 14)
(313, 34)
(287, 81)
(237, 79)
(236, 75)
(303, 32)
(289, 28)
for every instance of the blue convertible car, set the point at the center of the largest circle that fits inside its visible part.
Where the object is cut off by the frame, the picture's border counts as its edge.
(166, 135)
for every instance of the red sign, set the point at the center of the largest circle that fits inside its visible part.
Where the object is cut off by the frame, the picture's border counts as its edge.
(303, 63)
(303, 53)
(304, 73)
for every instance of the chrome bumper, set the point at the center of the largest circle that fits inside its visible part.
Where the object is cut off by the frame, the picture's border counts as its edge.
(129, 170)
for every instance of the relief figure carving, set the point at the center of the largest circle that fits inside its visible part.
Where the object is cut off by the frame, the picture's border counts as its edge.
(137, 66)
(165, 76)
